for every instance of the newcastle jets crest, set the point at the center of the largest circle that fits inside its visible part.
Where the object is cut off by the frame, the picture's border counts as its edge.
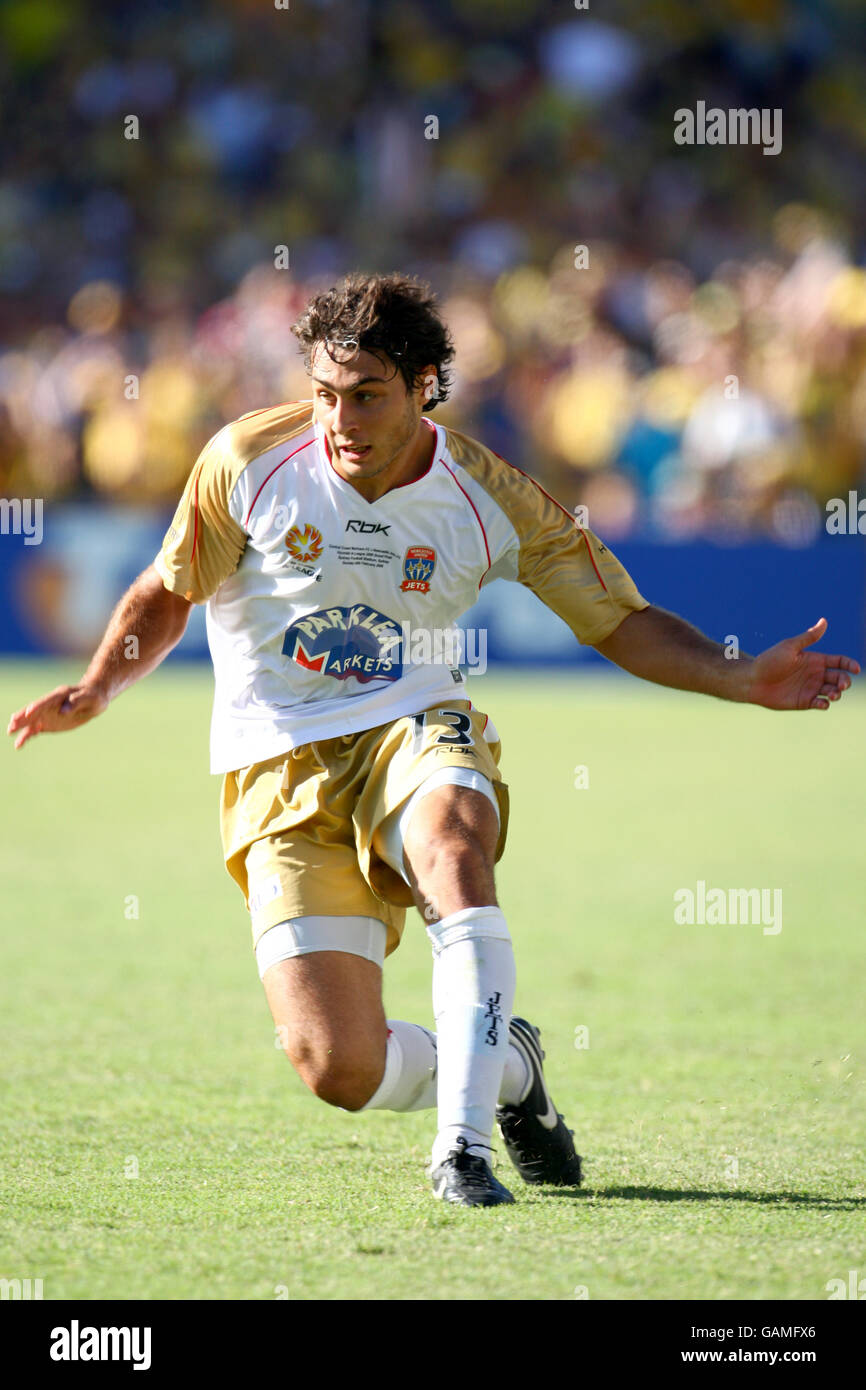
(419, 563)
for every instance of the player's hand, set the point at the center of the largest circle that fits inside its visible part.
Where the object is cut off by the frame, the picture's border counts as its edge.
(67, 707)
(788, 676)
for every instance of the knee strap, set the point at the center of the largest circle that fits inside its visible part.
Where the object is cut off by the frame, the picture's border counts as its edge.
(299, 936)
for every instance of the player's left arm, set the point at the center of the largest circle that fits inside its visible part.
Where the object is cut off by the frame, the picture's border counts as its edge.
(661, 647)
(579, 578)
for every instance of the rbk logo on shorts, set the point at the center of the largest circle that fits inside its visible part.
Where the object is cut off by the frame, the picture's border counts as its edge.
(419, 563)
(343, 642)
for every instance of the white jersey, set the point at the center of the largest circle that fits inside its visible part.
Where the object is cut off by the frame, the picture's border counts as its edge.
(328, 614)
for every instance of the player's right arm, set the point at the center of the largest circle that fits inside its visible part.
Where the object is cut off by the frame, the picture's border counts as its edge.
(148, 613)
(202, 547)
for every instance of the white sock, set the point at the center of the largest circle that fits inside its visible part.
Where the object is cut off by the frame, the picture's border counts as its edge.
(410, 1077)
(473, 996)
(516, 1078)
(409, 1080)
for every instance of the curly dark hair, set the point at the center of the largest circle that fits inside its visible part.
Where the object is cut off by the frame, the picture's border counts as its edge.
(392, 316)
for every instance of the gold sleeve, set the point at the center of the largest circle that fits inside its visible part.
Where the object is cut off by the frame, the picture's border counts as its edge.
(570, 569)
(567, 566)
(204, 543)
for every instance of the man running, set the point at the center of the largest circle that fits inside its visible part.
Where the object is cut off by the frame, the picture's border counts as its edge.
(323, 536)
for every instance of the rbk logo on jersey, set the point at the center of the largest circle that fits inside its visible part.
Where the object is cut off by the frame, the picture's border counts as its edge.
(304, 543)
(344, 642)
(368, 528)
(419, 563)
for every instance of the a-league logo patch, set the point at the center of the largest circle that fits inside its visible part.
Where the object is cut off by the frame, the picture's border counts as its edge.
(419, 563)
(304, 543)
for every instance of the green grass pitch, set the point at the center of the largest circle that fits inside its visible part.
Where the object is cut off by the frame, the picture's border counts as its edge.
(156, 1144)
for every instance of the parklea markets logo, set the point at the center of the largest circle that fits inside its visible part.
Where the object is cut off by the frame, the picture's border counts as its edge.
(363, 643)
(357, 642)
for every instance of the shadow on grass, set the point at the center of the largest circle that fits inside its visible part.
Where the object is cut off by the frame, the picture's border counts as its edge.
(685, 1194)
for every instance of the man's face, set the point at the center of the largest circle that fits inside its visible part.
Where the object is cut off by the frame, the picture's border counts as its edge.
(369, 418)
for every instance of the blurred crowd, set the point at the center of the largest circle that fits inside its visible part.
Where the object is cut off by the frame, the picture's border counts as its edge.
(672, 338)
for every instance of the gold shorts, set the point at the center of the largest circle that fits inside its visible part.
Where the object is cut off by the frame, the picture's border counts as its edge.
(299, 831)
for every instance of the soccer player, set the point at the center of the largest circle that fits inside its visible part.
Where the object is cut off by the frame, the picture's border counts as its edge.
(324, 535)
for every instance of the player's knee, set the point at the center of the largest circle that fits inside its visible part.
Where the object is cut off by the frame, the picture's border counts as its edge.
(347, 1086)
(340, 1080)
